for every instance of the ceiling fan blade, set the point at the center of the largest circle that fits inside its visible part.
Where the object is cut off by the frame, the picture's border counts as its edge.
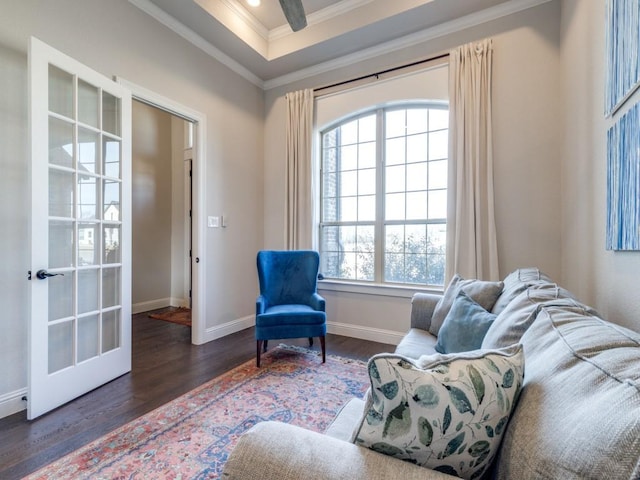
(294, 11)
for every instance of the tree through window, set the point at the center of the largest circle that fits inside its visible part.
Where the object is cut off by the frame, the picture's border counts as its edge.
(384, 196)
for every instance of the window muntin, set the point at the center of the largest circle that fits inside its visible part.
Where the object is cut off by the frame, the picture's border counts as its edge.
(383, 196)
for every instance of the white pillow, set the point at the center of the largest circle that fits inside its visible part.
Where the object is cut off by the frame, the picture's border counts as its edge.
(443, 412)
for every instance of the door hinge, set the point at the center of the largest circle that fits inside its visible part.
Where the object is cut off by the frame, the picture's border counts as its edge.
(189, 253)
(189, 293)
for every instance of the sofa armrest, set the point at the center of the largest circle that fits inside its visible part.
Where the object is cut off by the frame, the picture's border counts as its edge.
(422, 307)
(280, 451)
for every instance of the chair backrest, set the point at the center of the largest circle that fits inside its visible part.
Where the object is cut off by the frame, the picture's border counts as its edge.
(288, 277)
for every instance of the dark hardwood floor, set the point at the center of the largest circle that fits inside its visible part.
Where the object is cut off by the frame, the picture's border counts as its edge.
(165, 366)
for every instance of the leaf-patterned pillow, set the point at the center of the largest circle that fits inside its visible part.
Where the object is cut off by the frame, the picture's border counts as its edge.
(444, 412)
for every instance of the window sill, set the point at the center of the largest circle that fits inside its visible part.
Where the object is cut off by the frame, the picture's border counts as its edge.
(402, 291)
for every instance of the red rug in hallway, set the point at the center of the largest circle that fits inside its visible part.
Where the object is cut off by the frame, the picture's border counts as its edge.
(179, 315)
(192, 436)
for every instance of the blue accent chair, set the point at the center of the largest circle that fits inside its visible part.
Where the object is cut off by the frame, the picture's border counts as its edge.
(289, 305)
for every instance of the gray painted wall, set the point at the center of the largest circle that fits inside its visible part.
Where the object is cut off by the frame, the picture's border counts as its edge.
(527, 157)
(607, 280)
(115, 38)
(151, 159)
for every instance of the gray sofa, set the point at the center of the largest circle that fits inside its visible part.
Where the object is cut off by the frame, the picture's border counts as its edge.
(578, 415)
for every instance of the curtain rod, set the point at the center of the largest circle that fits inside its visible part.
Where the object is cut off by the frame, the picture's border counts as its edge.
(377, 74)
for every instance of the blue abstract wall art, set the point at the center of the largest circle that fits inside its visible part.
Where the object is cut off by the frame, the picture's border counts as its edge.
(623, 48)
(623, 182)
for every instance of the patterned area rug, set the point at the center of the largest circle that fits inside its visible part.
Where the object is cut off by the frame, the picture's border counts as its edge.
(192, 436)
(179, 315)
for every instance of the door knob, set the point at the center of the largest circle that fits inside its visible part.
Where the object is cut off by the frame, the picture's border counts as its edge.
(42, 274)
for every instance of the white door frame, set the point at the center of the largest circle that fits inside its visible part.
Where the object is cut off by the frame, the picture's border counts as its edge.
(199, 120)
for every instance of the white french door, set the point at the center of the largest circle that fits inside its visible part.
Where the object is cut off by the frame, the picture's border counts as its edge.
(80, 328)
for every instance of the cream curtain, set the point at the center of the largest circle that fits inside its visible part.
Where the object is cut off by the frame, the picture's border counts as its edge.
(471, 232)
(298, 229)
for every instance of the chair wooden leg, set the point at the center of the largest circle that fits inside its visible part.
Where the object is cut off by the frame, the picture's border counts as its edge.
(322, 345)
(258, 349)
(311, 341)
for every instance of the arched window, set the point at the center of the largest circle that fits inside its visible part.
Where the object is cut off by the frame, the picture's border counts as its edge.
(383, 196)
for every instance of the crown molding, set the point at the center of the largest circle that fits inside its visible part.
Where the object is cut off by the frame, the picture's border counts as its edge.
(472, 20)
(168, 21)
(489, 14)
(250, 21)
(320, 16)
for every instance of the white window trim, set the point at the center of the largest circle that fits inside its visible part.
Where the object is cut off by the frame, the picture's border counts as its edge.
(354, 286)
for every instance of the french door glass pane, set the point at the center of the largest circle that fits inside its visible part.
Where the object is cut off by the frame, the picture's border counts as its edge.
(110, 330)
(60, 92)
(60, 346)
(110, 114)
(111, 157)
(61, 244)
(111, 201)
(61, 186)
(88, 197)
(110, 287)
(88, 104)
(88, 244)
(88, 150)
(112, 244)
(88, 290)
(60, 142)
(88, 337)
(61, 296)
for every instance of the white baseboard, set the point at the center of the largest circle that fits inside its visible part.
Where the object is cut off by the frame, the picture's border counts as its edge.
(228, 328)
(178, 302)
(365, 333)
(354, 331)
(150, 305)
(12, 402)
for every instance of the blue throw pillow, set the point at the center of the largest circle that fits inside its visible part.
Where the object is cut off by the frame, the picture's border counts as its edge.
(464, 327)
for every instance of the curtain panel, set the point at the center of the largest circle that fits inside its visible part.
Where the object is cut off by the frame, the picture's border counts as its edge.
(298, 229)
(471, 231)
